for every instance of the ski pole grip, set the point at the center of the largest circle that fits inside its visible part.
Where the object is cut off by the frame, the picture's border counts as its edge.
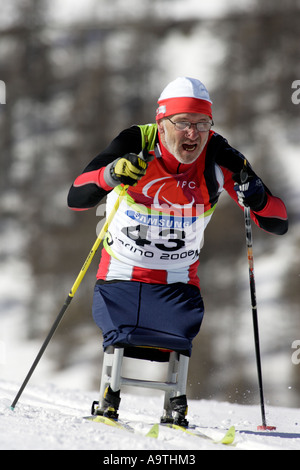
(244, 174)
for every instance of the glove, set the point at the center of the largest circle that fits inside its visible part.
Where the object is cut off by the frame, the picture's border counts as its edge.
(127, 170)
(251, 193)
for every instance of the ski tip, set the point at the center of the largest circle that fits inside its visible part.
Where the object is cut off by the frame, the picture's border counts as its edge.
(229, 436)
(154, 431)
(266, 428)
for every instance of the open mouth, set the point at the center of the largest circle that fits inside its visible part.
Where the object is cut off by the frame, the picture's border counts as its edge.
(189, 147)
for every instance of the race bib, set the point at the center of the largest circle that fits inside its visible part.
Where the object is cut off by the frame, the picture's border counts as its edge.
(151, 238)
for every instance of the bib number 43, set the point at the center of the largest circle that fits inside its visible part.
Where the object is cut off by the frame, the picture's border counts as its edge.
(138, 234)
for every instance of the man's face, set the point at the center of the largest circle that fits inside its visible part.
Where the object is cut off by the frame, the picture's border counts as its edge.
(187, 145)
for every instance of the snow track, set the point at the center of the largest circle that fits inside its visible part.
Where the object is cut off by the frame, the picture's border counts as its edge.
(50, 418)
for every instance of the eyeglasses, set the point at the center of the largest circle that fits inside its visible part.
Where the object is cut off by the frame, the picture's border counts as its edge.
(202, 126)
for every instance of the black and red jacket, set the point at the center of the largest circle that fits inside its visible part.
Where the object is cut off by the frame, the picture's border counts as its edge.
(152, 238)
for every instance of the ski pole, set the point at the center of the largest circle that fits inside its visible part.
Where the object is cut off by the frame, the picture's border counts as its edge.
(249, 244)
(71, 293)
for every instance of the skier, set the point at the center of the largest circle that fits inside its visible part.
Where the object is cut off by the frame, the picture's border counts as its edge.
(176, 169)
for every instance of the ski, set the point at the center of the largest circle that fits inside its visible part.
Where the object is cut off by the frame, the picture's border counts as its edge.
(110, 422)
(227, 439)
(153, 432)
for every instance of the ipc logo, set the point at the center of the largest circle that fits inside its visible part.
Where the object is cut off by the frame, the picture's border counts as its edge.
(2, 92)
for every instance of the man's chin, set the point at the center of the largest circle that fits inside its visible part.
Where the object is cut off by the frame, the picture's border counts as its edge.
(187, 157)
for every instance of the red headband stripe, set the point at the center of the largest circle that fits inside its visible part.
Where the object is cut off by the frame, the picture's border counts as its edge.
(170, 106)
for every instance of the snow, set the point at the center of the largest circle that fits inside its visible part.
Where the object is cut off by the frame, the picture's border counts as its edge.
(51, 418)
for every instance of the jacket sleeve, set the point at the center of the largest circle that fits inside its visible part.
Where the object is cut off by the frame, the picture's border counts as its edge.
(89, 187)
(273, 217)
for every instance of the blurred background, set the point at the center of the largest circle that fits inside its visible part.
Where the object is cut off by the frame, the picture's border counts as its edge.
(75, 73)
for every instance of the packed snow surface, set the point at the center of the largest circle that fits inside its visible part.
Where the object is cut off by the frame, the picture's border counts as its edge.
(51, 418)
